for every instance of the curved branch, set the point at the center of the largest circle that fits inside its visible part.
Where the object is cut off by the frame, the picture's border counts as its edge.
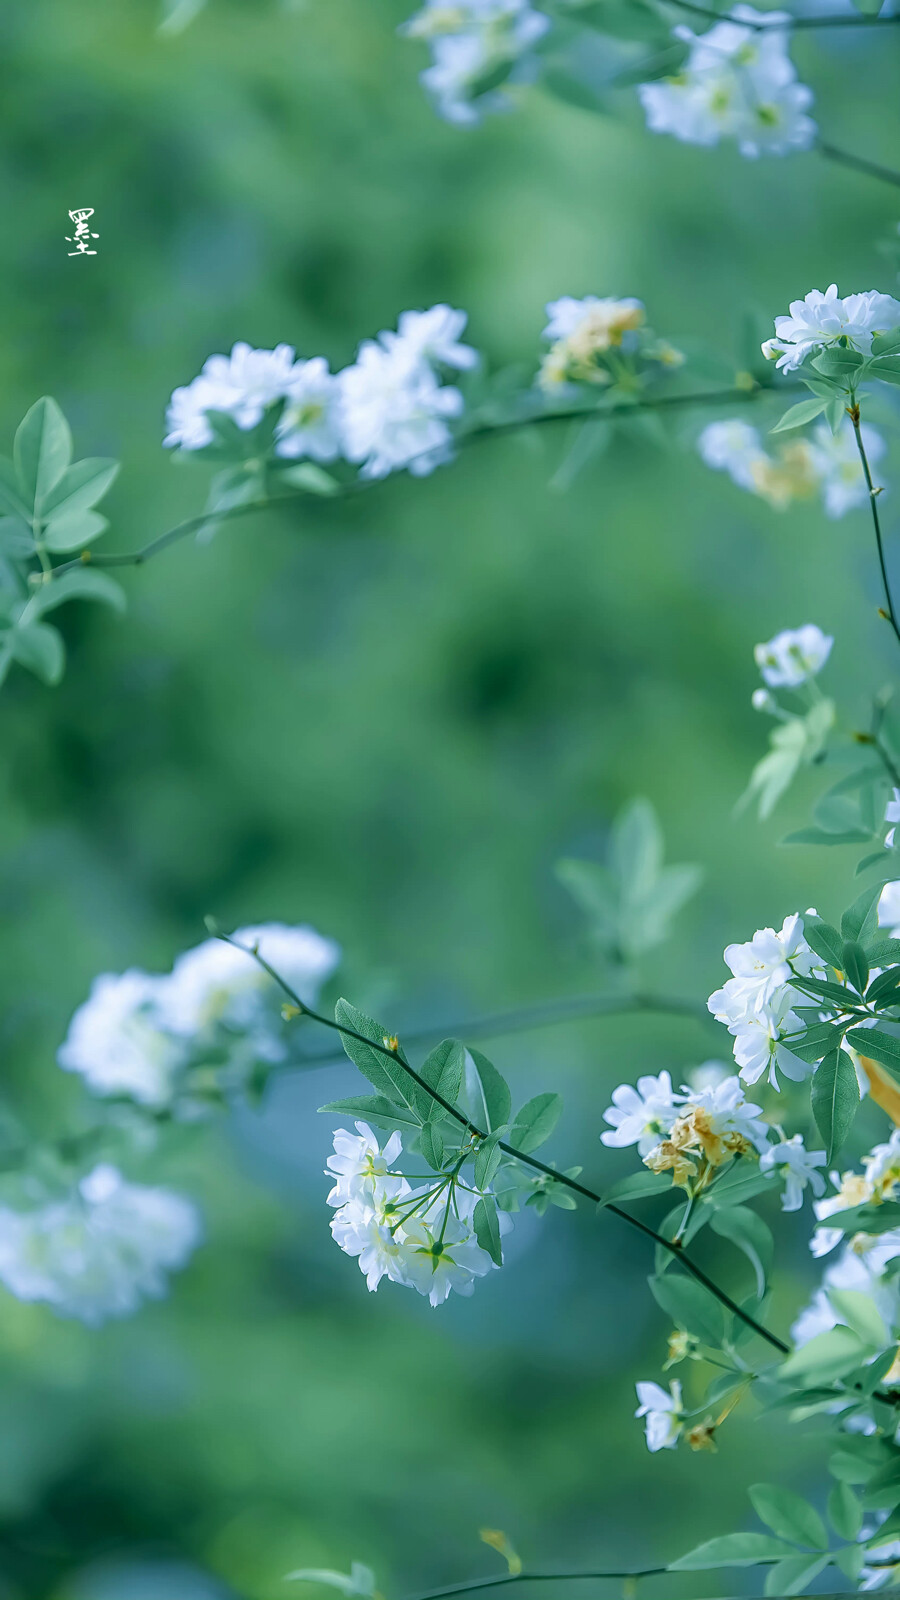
(392, 1054)
(890, 614)
(805, 23)
(542, 1016)
(487, 430)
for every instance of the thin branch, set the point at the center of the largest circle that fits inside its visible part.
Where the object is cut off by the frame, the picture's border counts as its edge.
(845, 158)
(517, 1155)
(534, 1577)
(487, 430)
(853, 412)
(543, 1016)
(856, 21)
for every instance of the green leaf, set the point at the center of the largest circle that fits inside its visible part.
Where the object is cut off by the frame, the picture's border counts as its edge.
(885, 344)
(70, 530)
(838, 363)
(788, 1515)
(835, 1098)
(535, 1122)
(431, 1144)
(884, 952)
(882, 1047)
(751, 1235)
(850, 1560)
(793, 1574)
(733, 1550)
(887, 368)
(81, 486)
(824, 940)
(860, 921)
(41, 452)
(844, 1511)
(487, 1228)
(826, 1357)
(16, 538)
(39, 647)
(79, 584)
(637, 1186)
(358, 1585)
(487, 1159)
(691, 1306)
(867, 1218)
(12, 498)
(797, 415)
(484, 1095)
(884, 988)
(861, 1314)
(818, 1040)
(443, 1070)
(306, 475)
(375, 1108)
(854, 965)
(383, 1072)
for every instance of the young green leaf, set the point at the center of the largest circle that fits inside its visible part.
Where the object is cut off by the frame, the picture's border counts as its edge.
(788, 1515)
(487, 1159)
(844, 1511)
(386, 1074)
(860, 920)
(751, 1235)
(487, 1228)
(376, 1108)
(854, 964)
(80, 487)
(70, 530)
(535, 1122)
(797, 415)
(41, 452)
(793, 1575)
(443, 1070)
(431, 1144)
(882, 1047)
(691, 1306)
(835, 1099)
(79, 584)
(825, 1357)
(484, 1095)
(733, 1550)
(40, 648)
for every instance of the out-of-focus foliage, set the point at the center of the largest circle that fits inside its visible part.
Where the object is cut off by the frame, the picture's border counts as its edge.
(388, 717)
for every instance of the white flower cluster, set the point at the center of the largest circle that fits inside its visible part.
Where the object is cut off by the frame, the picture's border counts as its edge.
(137, 1030)
(821, 320)
(862, 1264)
(423, 1238)
(101, 1250)
(826, 464)
(756, 1002)
(793, 657)
(738, 82)
(693, 1132)
(388, 410)
(589, 337)
(473, 44)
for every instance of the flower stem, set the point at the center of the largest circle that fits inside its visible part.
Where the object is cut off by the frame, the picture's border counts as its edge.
(853, 413)
(846, 158)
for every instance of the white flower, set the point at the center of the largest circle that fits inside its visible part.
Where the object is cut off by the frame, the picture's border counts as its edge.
(727, 1111)
(362, 1169)
(738, 82)
(394, 412)
(250, 380)
(117, 1039)
(734, 447)
(186, 414)
(882, 1167)
(800, 1168)
(794, 656)
(592, 323)
(433, 1251)
(308, 425)
(837, 464)
(892, 815)
(663, 1413)
(860, 1266)
(757, 1028)
(769, 958)
(470, 40)
(820, 320)
(215, 982)
(889, 903)
(100, 1252)
(432, 336)
(640, 1116)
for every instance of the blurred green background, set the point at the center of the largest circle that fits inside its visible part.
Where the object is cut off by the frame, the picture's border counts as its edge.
(388, 717)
